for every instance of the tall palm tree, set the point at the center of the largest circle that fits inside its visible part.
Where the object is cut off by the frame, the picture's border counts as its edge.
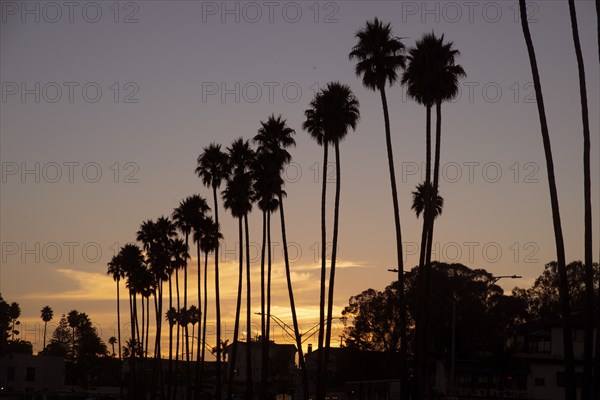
(117, 274)
(237, 197)
(379, 56)
(333, 111)
(563, 287)
(46, 315)
(73, 320)
(213, 167)
(209, 238)
(340, 114)
(156, 238)
(314, 126)
(185, 217)
(267, 203)
(131, 261)
(171, 318)
(586, 387)
(431, 77)
(178, 259)
(147, 289)
(273, 139)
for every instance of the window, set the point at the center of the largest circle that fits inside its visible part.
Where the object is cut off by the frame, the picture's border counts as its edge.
(539, 382)
(578, 335)
(10, 374)
(30, 374)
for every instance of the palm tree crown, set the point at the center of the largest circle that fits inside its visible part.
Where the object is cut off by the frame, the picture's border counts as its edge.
(332, 112)
(213, 166)
(424, 196)
(379, 55)
(190, 209)
(432, 74)
(47, 314)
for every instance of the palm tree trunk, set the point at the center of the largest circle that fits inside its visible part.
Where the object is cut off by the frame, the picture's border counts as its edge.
(428, 145)
(588, 349)
(268, 319)
(132, 377)
(399, 256)
(218, 388)
(288, 275)
(118, 325)
(170, 375)
(263, 327)
(142, 340)
(158, 354)
(177, 336)
(430, 218)
(147, 321)
(193, 333)
(200, 327)
(201, 379)
(236, 326)
(570, 388)
(338, 175)
(45, 325)
(249, 380)
(185, 328)
(137, 325)
(320, 358)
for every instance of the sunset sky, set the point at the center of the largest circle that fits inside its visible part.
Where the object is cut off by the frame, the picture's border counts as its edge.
(106, 106)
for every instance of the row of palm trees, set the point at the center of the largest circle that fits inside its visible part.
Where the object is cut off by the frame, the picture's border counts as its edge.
(253, 177)
(431, 76)
(591, 374)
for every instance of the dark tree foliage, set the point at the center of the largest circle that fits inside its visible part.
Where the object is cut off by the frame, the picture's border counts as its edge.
(484, 315)
(62, 339)
(542, 299)
(9, 333)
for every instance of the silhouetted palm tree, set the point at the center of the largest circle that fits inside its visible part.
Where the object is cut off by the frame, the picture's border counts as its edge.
(46, 315)
(380, 55)
(117, 274)
(131, 261)
(73, 320)
(185, 217)
(156, 238)
(431, 77)
(341, 114)
(563, 288)
(213, 167)
(274, 138)
(112, 340)
(337, 108)
(263, 174)
(209, 238)
(237, 197)
(315, 127)
(586, 388)
(171, 317)
(426, 198)
(178, 259)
